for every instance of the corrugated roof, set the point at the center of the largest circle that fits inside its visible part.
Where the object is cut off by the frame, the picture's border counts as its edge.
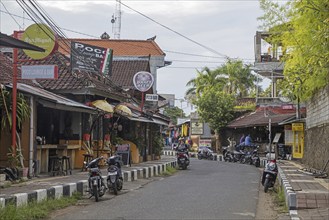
(120, 47)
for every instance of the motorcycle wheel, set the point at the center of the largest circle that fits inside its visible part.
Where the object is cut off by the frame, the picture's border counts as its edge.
(115, 188)
(242, 159)
(199, 157)
(257, 163)
(95, 192)
(211, 157)
(184, 167)
(120, 184)
(266, 185)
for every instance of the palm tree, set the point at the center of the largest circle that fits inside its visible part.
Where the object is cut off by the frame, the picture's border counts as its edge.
(205, 78)
(239, 79)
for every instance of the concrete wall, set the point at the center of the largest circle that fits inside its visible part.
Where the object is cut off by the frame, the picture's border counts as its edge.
(316, 152)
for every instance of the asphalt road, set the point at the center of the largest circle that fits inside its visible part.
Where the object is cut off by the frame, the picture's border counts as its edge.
(207, 190)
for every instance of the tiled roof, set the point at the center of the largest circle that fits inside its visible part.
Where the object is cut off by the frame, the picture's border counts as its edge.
(119, 47)
(66, 79)
(123, 71)
(258, 117)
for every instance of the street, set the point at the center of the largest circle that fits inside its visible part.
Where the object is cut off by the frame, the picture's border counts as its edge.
(206, 190)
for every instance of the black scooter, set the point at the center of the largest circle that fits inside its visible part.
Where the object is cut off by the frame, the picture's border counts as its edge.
(114, 176)
(96, 184)
(269, 175)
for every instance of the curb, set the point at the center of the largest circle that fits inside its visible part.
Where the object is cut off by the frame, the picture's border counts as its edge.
(217, 157)
(290, 195)
(56, 192)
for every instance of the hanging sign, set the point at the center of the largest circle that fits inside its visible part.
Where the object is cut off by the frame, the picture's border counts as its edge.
(91, 58)
(143, 81)
(42, 36)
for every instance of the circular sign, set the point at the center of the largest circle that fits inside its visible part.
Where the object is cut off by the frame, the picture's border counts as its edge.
(42, 36)
(143, 81)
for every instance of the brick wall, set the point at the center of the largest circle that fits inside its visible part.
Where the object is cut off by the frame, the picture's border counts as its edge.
(316, 152)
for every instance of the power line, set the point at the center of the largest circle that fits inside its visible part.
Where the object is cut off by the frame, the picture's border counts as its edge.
(88, 35)
(166, 27)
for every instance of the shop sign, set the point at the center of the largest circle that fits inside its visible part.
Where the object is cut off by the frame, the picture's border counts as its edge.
(42, 36)
(40, 72)
(91, 58)
(196, 128)
(151, 97)
(297, 126)
(143, 81)
(205, 143)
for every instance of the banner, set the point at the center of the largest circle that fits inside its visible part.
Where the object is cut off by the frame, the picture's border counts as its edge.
(91, 58)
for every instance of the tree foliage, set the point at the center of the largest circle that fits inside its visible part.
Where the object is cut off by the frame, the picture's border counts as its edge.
(302, 28)
(215, 107)
(174, 113)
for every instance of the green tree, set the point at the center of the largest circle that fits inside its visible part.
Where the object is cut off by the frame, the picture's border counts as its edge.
(216, 108)
(302, 28)
(174, 113)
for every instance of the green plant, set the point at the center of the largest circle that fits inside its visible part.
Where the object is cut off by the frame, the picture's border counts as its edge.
(169, 171)
(36, 210)
(158, 144)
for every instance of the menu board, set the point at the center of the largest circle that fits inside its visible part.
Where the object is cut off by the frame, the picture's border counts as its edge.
(124, 151)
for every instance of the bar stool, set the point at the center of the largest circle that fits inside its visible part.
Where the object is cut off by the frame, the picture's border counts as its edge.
(66, 165)
(55, 165)
(86, 158)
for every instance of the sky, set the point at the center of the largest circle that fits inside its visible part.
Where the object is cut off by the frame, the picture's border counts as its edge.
(193, 34)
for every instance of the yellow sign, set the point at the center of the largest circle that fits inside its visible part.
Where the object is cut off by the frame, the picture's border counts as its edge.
(42, 36)
(297, 126)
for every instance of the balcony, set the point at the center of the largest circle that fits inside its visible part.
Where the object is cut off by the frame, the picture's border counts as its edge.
(268, 57)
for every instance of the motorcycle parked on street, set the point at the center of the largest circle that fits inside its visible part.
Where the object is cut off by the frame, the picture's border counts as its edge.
(114, 177)
(205, 153)
(255, 157)
(96, 184)
(227, 155)
(269, 175)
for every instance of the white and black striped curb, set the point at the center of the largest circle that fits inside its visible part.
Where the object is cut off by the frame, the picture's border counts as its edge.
(217, 157)
(56, 192)
(290, 195)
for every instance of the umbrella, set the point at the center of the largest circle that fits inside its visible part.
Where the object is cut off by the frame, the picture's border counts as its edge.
(8, 41)
(123, 110)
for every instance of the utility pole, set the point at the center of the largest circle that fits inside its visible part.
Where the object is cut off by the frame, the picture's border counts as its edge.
(116, 20)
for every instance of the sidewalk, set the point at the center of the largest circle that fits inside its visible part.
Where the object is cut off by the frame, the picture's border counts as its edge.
(46, 186)
(307, 197)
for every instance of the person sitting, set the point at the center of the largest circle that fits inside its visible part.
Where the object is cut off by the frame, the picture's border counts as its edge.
(182, 147)
(248, 141)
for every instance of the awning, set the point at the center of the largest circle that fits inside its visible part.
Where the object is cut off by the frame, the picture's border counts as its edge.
(8, 41)
(141, 119)
(123, 110)
(160, 122)
(52, 100)
(103, 105)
